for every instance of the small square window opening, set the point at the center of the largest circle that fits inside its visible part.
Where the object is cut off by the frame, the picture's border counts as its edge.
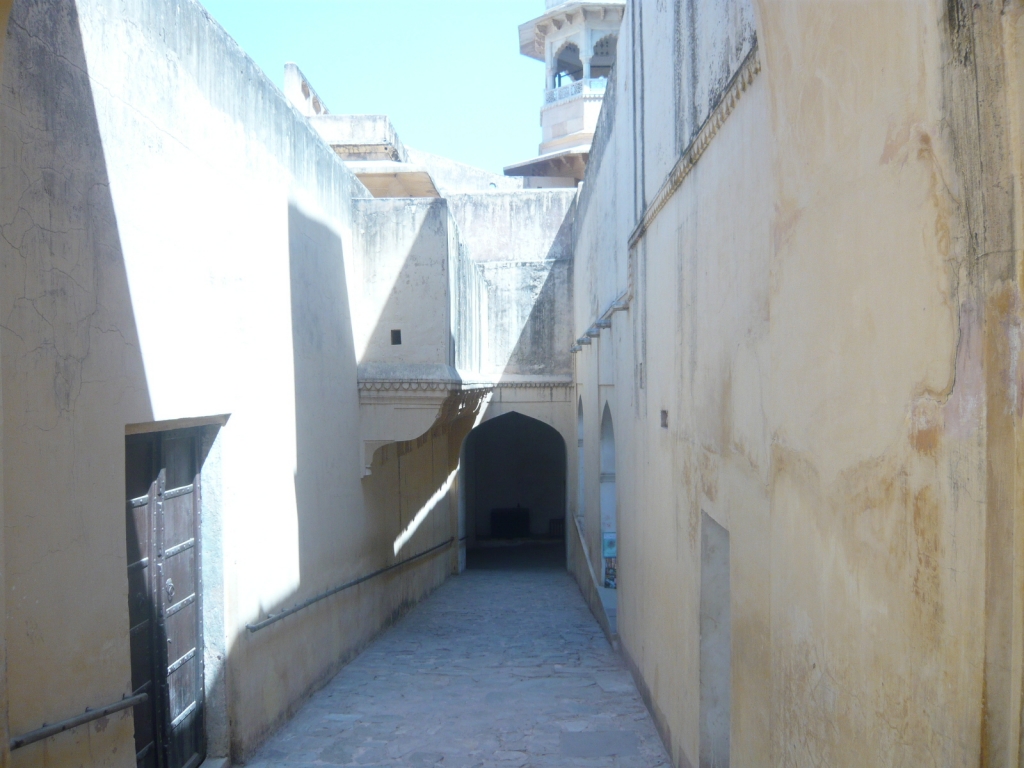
(396, 337)
(664, 419)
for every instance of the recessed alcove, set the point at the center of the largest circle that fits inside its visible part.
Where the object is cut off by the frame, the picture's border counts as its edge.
(513, 471)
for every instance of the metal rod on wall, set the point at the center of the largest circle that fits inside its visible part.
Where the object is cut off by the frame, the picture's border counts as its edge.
(316, 598)
(73, 722)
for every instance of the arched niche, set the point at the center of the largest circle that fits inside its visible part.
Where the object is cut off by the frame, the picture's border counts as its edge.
(581, 486)
(609, 501)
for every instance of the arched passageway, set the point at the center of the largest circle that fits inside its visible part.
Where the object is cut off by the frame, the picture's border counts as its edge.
(513, 481)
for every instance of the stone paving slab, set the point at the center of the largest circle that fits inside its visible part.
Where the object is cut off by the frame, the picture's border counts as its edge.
(496, 669)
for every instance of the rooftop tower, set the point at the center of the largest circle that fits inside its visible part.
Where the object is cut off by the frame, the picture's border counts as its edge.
(577, 42)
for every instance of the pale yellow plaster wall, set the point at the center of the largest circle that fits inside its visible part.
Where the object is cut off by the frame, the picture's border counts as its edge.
(5, 12)
(868, 483)
(403, 477)
(827, 310)
(177, 245)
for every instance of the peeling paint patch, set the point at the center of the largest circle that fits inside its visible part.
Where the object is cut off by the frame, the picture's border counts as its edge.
(927, 525)
(925, 426)
(961, 413)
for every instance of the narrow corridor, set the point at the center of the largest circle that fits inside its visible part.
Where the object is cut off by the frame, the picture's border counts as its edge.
(502, 666)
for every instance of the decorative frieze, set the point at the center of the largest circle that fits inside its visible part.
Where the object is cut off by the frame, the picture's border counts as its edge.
(744, 77)
(532, 384)
(409, 385)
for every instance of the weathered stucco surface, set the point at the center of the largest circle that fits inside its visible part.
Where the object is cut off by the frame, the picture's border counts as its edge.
(795, 262)
(522, 244)
(177, 244)
(5, 12)
(406, 267)
(820, 354)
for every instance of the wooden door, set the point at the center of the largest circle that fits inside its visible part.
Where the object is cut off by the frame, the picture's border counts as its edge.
(165, 597)
(142, 492)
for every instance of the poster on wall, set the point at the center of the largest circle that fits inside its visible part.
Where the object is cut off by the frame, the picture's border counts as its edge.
(609, 547)
(609, 551)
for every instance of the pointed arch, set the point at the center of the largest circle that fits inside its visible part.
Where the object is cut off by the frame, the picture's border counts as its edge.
(603, 60)
(568, 66)
(607, 444)
(514, 472)
(581, 489)
(609, 501)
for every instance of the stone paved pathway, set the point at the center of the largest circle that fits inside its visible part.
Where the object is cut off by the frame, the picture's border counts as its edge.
(500, 667)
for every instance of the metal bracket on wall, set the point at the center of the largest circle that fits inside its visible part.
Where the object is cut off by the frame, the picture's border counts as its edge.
(621, 304)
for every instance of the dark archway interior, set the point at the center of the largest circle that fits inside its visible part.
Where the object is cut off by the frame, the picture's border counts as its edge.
(514, 475)
(568, 66)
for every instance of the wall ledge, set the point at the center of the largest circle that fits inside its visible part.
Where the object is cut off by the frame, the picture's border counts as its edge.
(744, 76)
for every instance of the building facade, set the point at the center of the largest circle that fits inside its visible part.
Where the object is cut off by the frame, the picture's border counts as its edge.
(259, 362)
(797, 301)
(247, 340)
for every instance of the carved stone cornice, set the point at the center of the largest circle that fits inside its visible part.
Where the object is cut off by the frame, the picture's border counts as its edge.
(533, 34)
(744, 77)
(435, 387)
(531, 384)
(407, 385)
(526, 381)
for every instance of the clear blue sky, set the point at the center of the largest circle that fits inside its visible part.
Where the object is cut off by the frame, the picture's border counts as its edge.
(447, 72)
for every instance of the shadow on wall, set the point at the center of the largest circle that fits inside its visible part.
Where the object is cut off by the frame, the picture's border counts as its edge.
(404, 246)
(410, 248)
(542, 346)
(326, 398)
(540, 349)
(346, 526)
(406, 265)
(73, 376)
(514, 477)
(413, 479)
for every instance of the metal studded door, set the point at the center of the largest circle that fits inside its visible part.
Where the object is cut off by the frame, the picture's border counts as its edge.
(165, 597)
(142, 492)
